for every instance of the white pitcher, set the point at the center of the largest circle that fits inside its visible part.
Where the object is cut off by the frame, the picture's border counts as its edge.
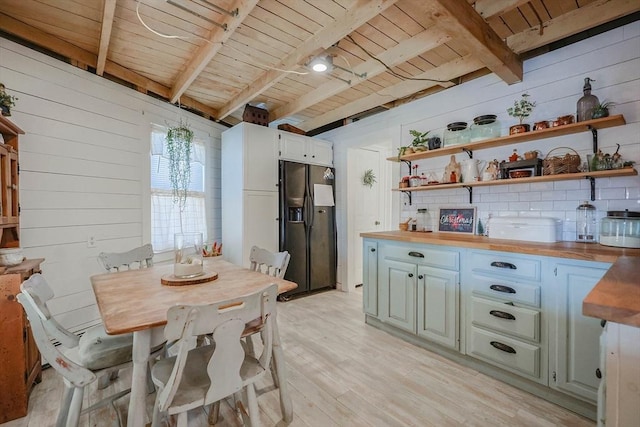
(471, 169)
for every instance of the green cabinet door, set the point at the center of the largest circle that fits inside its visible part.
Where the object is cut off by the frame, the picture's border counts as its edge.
(370, 278)
(398, 294)
(437, 308)
(575, 346)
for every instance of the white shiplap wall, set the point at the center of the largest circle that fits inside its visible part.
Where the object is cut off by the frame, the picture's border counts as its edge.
(554, 80)
(84, 170)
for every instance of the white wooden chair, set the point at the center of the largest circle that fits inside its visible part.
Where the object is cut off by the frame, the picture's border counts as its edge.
(115, 261)
(264, 261)
(204, 375)
(80, 361)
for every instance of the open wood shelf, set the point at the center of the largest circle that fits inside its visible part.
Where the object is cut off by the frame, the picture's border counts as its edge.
(545, 178)
(605, 122)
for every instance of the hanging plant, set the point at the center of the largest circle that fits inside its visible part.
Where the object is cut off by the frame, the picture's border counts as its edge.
(369, 178)
(179, 143)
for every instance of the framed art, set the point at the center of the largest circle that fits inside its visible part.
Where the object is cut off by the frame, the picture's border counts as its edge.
(457, 220)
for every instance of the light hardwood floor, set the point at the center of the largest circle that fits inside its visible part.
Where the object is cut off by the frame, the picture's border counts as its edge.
(343, 372)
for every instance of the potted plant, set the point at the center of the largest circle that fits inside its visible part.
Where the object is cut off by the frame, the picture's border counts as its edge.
(6, 101)
(419, 142)
(521, 109)
(602, 109)
(179, 144)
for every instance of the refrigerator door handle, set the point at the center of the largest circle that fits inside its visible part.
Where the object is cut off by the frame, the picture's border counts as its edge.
(309, 208)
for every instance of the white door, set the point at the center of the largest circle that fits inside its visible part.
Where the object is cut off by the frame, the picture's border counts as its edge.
(366, 204)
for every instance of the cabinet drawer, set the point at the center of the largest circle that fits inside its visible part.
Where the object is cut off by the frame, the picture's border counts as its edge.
(519, 321)
(505, 352)
(499, 263)
(506, 290)
(440, 258)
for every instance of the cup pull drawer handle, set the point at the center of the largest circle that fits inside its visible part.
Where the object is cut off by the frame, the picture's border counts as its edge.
(502, 288)
(501, 264)
(416, 254)
(503, 347)
(502, 315)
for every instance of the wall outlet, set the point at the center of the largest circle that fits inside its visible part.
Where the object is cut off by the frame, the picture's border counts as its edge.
(91, 241)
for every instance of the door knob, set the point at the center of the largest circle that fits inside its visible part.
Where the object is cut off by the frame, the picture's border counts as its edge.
(377, 223)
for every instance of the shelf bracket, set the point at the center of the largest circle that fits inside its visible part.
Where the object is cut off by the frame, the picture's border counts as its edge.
(408, 193)
(594, 134)
(408, 163)
(469, 152)
(470, 190)
(592, 181)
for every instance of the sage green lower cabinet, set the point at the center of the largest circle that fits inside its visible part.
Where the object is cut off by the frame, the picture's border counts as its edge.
(370, 277)
(418, 290)
(575, 338)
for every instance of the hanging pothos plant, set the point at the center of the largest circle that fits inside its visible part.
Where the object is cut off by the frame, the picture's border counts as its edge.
(179, 143)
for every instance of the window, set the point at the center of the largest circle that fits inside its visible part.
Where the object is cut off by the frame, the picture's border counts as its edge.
(166, 217)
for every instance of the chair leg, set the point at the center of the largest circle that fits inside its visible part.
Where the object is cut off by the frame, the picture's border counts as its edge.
(182, 419)
(155, 420)
(65, 404)
(214, 413)
(76, 406)
(252, 402)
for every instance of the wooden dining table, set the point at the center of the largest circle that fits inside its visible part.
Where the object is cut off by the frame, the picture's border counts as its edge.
(136, 301)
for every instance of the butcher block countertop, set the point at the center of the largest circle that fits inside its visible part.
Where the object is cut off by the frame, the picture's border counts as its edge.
(615, 298)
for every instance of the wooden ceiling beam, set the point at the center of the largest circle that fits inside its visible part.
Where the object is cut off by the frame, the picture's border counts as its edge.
(402, 52)
(83, 57)
(208, 50)
(457, 67)
(108, 14)
(589, 16)
(360, 13)
(489, 8)
(463, 22)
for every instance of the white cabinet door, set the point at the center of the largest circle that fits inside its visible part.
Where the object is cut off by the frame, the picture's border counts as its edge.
(260, 158)
(293, 147)
(576, 339)
(321, 152)
(260, 222)
(437, 310)
(370, 278)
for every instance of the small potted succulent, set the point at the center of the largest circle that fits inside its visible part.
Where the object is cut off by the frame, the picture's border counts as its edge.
(521, 110)
(6, 101)
(419, 142)
(602, 109)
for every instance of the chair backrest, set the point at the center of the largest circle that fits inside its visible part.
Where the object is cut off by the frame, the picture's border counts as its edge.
(39, 292)
(74, 373)
(225, 321)
(115, 261)
(273, 264)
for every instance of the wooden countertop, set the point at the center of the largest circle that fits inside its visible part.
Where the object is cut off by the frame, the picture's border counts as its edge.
(615, 298)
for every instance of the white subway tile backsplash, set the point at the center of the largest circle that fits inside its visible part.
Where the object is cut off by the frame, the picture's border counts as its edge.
(553, 195)
(566, 185)
(614, 193)
(530, 196)
(541, 186)
(508, 197)
(541, 207)
(519, 206)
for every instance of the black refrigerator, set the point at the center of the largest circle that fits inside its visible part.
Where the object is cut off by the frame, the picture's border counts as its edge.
(308, 226)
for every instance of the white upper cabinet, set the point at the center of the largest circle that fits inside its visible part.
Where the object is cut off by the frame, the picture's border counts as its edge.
(304, 149)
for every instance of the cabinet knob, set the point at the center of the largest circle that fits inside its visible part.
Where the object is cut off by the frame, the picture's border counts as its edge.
(598, 373)
(373, 249)
(410, 274)
(421, 277)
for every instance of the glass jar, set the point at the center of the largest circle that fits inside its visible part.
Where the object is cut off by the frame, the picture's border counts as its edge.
(456, 133)
(621, 229)
(485, 127)
(188, 255)
(586, 223)
(423, 220)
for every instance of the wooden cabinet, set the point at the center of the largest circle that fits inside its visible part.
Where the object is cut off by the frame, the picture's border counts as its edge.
(576, 338)
(437, 312)
(20, 365)
(9, 185)
(304, 149)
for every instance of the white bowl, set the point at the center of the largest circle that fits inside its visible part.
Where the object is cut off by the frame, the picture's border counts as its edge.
(11, 256)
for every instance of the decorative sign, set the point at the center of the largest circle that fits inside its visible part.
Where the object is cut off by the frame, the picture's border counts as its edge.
(457, 220)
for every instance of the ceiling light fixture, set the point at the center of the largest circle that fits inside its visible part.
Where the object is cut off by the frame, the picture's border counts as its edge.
(324, 64)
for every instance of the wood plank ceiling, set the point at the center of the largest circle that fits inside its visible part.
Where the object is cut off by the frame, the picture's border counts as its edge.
(215, 56)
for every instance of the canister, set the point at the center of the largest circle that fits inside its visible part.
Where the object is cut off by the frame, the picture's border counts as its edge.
(485, 127)
(586, 223)
(621, 229)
